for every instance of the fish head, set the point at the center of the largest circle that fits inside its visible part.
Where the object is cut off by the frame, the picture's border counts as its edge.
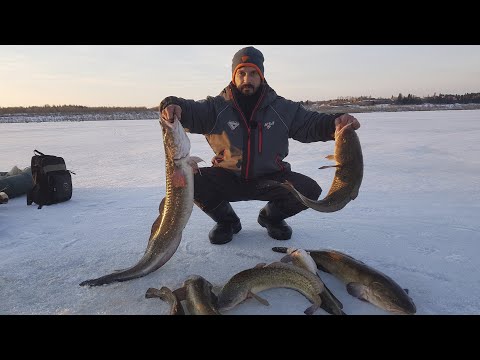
(340, 134)
(303, 259)
(347, 146)
(291, 250)
(177, 143)
(392, 297)
(299, 252)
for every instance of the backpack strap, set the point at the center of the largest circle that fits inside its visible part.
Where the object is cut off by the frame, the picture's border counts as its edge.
(38, 152)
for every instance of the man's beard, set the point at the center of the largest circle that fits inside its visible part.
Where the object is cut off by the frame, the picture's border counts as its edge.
(247, 89)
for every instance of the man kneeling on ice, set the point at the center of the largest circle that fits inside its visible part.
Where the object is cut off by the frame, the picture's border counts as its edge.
(248, 126)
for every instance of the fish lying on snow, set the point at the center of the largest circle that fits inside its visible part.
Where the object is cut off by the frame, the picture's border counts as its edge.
(348, 175)
(197, 293)
(248, 283)
(167, 295)
(362, 281)
(175, 208)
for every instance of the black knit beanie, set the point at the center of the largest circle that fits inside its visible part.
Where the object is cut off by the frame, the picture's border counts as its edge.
(248, 56)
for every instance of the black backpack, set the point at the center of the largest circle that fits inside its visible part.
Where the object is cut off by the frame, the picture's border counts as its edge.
(52, 182)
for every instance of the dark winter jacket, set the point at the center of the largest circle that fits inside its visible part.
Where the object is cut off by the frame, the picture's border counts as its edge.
(256, 146)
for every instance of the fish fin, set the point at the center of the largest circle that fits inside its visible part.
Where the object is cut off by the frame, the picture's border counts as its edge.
(193, 161)
(357, 290)
(330, 157)
(258, 298)
(260, 265)
(310, 310)
(280, 249)
(406, 290)
(195, 168)
(286, 258)
(178, 179)
(157, 222)
(161, 206)
(330, 303)
(334, 298)
(152, 293)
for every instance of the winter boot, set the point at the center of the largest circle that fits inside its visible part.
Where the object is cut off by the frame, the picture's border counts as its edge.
(273, 219)
(227, 221)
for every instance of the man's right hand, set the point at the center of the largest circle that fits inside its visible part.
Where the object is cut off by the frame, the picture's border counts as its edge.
(169, 113)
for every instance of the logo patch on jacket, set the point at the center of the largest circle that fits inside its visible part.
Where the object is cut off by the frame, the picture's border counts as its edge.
(268, 125)
(233, 124)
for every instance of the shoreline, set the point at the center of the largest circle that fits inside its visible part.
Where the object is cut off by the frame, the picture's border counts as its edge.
(150, 114)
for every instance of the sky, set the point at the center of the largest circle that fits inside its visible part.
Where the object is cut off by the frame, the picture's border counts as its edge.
(415, 218)
(142, 75)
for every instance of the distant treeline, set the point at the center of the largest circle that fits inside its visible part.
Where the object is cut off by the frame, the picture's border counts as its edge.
(469, 98)
(473, 98)
(68, 109)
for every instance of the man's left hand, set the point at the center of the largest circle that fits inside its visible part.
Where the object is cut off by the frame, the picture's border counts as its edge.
(344, 120)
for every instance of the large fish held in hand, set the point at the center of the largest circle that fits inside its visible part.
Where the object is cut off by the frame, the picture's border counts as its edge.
(362, 281)
(348, 176)
(175, 208)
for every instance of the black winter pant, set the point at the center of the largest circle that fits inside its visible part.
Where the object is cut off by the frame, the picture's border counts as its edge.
(214, 185)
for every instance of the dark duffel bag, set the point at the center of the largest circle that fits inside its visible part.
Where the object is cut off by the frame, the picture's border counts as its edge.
(16, 185)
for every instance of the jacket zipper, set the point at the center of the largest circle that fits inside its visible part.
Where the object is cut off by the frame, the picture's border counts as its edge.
(260, 138)
(248, 133)
(248, 128)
